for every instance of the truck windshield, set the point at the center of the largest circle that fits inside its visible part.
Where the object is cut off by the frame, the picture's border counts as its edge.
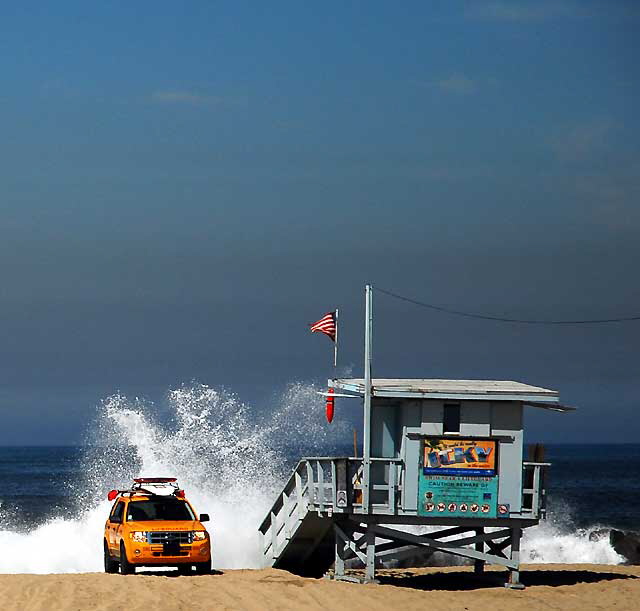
(160, 509)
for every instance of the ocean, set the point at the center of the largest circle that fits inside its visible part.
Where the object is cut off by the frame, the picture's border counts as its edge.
(232, 461)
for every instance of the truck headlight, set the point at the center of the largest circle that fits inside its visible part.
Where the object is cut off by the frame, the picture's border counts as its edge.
(139, 536)
(199, 535)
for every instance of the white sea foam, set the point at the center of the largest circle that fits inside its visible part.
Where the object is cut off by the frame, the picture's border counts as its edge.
(59, 546)
(556, 541)
(230, 461)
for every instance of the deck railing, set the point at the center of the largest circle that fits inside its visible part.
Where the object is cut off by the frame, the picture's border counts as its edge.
(328, 485)
(533, 490)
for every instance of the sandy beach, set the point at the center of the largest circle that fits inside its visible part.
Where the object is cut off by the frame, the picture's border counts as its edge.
(575, 586)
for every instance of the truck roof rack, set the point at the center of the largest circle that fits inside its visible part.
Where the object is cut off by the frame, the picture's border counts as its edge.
(154, 486)
(159, 486)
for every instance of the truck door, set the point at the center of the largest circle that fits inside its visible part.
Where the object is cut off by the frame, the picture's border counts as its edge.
(115, 525)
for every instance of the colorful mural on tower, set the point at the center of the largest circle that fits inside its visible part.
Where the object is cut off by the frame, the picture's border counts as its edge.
(459, 457)
(459, 479)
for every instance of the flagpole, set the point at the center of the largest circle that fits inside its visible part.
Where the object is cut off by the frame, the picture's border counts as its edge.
(335, 344)
(366, 441)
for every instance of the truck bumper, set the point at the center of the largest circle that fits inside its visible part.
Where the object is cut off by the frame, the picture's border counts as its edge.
(146, 554)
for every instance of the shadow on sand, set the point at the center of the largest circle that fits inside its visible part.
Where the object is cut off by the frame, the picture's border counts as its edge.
(175, 573)
(463, 580)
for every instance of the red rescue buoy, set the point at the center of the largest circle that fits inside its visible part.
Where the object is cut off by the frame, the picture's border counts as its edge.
(330, 402)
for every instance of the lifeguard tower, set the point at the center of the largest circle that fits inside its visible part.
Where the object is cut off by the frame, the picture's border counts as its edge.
(436, 453)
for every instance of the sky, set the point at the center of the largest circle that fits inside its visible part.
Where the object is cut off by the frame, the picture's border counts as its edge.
(185, 186)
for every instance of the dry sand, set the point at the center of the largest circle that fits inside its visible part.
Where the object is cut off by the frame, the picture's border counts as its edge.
(577, 586)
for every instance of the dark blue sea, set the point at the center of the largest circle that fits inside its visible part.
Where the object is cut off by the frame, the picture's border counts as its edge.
(586, 486)
(53, 499)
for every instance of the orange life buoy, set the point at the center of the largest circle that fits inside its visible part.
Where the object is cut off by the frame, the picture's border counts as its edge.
(330, 404)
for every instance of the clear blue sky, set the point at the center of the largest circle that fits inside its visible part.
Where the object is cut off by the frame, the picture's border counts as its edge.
(184, 186)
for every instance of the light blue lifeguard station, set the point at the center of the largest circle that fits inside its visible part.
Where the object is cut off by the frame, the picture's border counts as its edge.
(436, 453)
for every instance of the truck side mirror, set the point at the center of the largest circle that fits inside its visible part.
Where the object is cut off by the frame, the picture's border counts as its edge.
(115, 519)
(204, 517)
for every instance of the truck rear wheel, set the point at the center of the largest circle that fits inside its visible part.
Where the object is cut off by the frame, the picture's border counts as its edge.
(126, 568)
(110, 565)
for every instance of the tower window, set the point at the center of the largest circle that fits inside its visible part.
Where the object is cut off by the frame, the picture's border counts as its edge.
(451, 422)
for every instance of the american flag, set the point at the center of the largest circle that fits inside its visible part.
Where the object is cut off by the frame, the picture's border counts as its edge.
(326, 325)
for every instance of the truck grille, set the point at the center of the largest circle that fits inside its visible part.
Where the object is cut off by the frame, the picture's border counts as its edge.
(182, 537)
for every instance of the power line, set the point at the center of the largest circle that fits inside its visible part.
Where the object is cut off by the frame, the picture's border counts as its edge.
(502, 319)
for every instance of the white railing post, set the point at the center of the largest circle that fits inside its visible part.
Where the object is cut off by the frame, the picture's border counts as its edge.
(274, 537)
(535, 503)
(392, 487)
(311, 483)
(320, 486)
(298, 480)
(334, 500)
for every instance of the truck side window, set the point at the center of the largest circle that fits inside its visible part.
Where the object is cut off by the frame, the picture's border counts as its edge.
(117, 513)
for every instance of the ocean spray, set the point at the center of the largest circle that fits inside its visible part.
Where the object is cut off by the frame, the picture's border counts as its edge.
(231, 461)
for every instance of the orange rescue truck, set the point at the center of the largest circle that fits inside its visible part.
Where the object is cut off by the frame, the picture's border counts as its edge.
(153, 524)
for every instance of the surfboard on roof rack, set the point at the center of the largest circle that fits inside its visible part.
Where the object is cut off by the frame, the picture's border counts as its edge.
(159, 486)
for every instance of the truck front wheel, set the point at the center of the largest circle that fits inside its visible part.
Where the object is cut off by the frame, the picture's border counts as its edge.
(126, 568)
(203, 568)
